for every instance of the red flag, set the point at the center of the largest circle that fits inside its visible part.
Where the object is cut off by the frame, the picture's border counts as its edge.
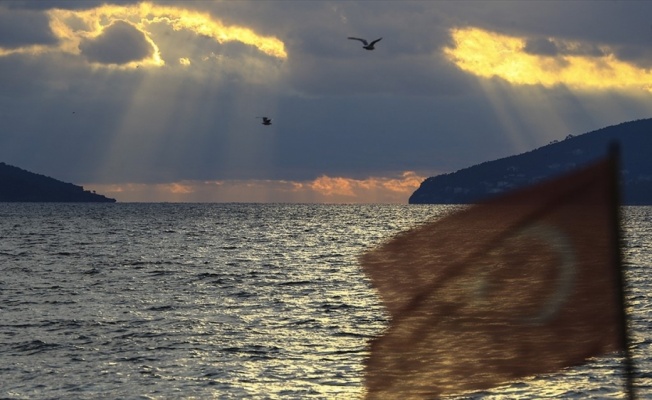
(523, 284)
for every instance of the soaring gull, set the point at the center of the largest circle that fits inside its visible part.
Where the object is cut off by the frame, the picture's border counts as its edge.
(367, 45)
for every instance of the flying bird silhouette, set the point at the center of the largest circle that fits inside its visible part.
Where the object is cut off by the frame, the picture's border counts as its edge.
(367, 45)
(266, 121)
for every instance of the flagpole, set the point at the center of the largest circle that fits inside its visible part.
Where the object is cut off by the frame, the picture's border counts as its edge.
(614, 159)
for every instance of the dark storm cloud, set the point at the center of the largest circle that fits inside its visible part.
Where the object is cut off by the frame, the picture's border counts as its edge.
(408, 59)
(638, 55)
(62, 4)
(24, 27)
(338, 109)
(119, 43)
(365, 73)
(584, 49)
(623, 27)
(541, 46)
(547, 47)
(603, 22)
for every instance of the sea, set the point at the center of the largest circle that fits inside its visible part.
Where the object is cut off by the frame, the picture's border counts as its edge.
(232, 301)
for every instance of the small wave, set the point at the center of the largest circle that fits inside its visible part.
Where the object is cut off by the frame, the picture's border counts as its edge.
(341, 352)
(161, 308)
(137, 359)
(62, 302)
(19, 254)
(351, 334)
(335, 307)
(162, 272)
(296, 283)
(131, 335)
(66, 253)
(244, 295)
(214, 374)
(302, 322)
(138, 264)
(35, 346)
(205, 275)
(255, 352)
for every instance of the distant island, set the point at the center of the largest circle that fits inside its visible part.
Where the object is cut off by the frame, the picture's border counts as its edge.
(482, 181)
(18, 185)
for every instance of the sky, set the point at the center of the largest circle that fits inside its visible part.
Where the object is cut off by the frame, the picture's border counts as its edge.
(160, 101)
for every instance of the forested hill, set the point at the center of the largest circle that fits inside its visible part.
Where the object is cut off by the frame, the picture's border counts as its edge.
(18, 185)
(490, 178)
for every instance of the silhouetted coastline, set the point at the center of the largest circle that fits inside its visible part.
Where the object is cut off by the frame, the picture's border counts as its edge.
(19, 185)
(484, 180)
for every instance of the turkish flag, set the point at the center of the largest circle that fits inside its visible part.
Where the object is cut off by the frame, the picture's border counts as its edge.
(523, 284)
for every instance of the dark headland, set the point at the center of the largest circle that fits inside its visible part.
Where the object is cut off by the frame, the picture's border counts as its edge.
(18, 185)
(481, 181)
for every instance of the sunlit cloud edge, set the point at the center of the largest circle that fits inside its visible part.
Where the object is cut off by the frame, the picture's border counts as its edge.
(140, 15)
(487, 54)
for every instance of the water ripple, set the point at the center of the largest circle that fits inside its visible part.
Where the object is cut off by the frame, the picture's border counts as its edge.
(227, 301)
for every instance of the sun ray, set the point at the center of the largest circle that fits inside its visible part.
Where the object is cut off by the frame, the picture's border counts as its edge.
(537, 97)
(157, 100)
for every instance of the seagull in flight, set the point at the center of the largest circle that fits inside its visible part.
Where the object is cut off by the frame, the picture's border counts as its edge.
(266, 121)
(367, 45)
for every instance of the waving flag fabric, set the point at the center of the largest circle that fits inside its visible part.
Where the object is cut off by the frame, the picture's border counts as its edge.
(523, 284)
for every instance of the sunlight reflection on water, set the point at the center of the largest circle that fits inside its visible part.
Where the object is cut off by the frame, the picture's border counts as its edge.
(226, 301)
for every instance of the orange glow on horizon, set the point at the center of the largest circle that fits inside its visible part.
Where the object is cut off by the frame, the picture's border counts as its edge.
(394, 190)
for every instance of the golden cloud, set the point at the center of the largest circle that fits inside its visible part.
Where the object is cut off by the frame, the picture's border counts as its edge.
(489, 54)
(338, 186)
(332, 186)
(74, 27)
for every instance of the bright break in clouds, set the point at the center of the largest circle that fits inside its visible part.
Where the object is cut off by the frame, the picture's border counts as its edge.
(158, 101)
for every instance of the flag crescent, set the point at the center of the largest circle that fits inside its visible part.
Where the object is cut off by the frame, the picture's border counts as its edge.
(561, 244)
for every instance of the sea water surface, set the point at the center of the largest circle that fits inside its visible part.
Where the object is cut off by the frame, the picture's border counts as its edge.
(230, 301)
